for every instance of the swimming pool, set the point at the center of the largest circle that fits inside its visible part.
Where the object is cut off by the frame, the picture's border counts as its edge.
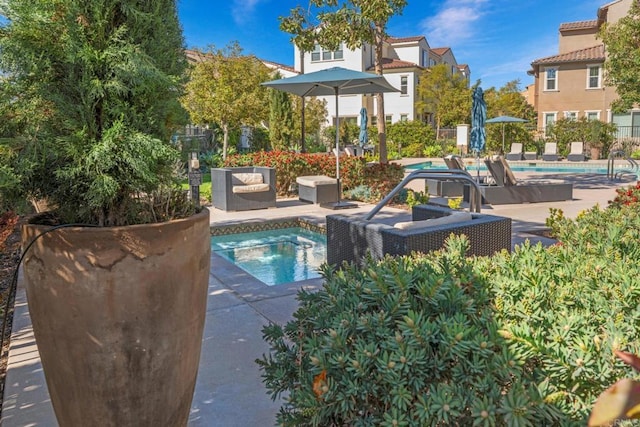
(533, 167)
(277, 256)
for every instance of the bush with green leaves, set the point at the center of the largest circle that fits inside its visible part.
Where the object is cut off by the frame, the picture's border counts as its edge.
(403, 342)
(566, 308)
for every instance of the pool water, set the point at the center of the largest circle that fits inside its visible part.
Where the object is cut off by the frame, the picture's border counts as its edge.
(274, 256)
(517, 168)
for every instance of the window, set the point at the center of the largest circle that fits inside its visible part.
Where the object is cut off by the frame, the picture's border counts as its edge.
(549, 119)
(404, 117)
(320, 54)
(403, 85)
(551, 79)
(592, 115)
(374, 119)
(571, 115)
(425, 58)
(593, 77)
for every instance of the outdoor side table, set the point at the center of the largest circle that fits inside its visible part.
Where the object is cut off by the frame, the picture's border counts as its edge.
(317, 189)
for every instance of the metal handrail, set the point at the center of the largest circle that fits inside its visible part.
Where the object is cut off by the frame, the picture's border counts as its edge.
(612, 174)
(475, 197)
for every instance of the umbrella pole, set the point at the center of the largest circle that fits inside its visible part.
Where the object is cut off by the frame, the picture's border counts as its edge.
(503, 139)
(338, 147)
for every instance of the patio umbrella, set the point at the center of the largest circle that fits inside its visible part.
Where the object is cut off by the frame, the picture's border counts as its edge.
(333, 81)
(478, 116)
(364, 136)
(503, 120)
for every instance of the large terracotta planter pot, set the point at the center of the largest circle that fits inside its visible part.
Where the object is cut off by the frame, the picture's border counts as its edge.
(118, 315)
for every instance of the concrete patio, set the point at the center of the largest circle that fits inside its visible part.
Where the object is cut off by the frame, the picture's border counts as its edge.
(229, 390)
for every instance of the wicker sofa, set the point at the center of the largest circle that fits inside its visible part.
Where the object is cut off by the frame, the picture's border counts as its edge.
(243, 188)
(351, 238)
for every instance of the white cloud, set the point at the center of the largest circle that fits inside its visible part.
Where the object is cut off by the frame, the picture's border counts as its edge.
(242, 10)
(454, 23)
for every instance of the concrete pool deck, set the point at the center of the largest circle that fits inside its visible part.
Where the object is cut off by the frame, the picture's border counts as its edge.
(229, 390)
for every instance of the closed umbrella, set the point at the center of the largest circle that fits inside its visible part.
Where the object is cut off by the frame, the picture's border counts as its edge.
(503, 120)
(333, 81)
(478, 137)
(364, 136)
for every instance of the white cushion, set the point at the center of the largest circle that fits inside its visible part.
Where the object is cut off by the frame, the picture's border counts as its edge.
(315, 180)
(253, 188)
(246, 178)
(432, 222)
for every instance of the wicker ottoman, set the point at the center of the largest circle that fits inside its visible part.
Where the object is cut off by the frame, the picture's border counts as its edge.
(317, 189)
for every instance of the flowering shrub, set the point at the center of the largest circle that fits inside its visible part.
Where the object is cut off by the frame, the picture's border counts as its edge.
(354, 171)
(626, 196)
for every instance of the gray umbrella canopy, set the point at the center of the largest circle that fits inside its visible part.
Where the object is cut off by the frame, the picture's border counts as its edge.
(478, 117)
(363, 137)
(503, 120)
(333, 81)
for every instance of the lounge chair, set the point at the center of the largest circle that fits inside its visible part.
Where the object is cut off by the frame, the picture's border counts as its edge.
(350, 238)
(577, 152)
(516, 152)
(441, 188)
(550, 152)
(508, 190)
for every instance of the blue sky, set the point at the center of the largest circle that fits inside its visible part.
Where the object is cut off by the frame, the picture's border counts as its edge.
(498, 39)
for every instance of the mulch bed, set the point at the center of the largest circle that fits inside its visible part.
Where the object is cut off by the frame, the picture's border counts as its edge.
(9, 257)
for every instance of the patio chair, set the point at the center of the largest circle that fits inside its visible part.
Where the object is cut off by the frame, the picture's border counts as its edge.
(351, 238)
(508, 190)
(516, 152)
(243, 188)
(550, 152)
(577, 152)
(441, 188)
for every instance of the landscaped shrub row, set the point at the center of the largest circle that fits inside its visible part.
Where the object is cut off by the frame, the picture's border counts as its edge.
(522, 338)
(354, 171)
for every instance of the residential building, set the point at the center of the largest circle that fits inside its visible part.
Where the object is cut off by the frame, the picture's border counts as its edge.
(570, 84)
(404, 60)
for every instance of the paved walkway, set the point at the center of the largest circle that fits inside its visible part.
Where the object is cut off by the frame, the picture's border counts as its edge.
(229, 390)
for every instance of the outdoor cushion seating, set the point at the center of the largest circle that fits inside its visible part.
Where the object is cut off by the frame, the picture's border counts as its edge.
(550, 152)
(243, 188)
(577, 152)
(508, 190)
(317, 189)
(351, 238)
(516, 152)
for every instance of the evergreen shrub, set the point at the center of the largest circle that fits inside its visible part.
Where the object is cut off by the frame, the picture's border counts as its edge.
(403, 342)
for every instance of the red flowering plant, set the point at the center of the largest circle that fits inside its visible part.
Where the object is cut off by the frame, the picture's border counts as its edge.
(626, 196)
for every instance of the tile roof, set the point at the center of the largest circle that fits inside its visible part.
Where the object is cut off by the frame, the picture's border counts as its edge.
(579, 25)
(278, 65)
(440, 50)
(404, 39)
(389, 63)
(594, 53)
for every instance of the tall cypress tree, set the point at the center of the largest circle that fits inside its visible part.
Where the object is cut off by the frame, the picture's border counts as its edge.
(280, 120)
(104, 77)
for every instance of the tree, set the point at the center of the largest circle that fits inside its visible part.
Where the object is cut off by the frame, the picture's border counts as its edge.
(352, 22)
(508, 101)
(623, 55)
(280, 118)
(315, 112)
(444, 94)
(225, 88)
(89, 100)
